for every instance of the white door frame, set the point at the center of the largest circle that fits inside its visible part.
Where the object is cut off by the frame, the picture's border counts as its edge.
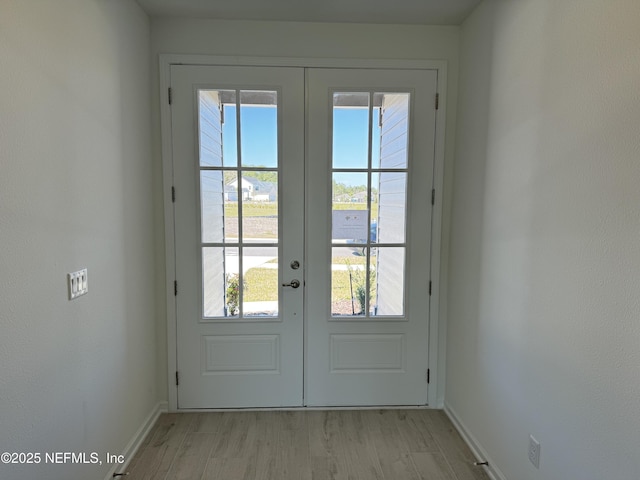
(436, 344)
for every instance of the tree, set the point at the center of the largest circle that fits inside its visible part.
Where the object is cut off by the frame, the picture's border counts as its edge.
(340, 189)
(263, 176)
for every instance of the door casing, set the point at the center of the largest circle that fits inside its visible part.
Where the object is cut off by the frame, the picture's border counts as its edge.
(436, 343)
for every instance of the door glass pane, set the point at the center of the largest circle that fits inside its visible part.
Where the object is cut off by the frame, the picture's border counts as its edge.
(375, 210)
(259, 128)
(392, 130)
(260, 206)
(388, 293)
(210, 127)
(389, 221)
(373, 282)
(239, 202)
(348, 277)
(212, 206)
(229, 129)
(369, 202)
(350, 215)
(230, 206)
(219, 275)
(260, 265)
(375, 131)
(217, 130)
(351, 130)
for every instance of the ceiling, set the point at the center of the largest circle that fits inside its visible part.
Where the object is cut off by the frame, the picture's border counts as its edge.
(417, 12)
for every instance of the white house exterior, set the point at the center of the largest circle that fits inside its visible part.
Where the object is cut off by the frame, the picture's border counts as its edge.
(252, 189)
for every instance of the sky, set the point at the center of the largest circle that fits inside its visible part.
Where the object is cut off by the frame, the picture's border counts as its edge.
(259, 139)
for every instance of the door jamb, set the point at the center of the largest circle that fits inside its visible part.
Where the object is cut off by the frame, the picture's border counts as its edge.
(435, 391)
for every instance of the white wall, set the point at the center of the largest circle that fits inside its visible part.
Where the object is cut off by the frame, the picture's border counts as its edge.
(291, 39)
(75, 191)
(544, 330)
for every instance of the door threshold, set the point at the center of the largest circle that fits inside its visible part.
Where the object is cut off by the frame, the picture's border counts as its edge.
(304, 408)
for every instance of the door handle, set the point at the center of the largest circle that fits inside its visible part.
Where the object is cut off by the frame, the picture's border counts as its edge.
(294, 284)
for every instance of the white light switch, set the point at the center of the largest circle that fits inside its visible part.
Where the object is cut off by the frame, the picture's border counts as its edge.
(78, 283)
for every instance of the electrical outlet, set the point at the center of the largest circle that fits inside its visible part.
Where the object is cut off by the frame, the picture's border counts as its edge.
(534, 451)
(78, 283)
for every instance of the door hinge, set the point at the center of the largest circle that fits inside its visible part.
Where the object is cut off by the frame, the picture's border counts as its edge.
(433, 196)
(430, 284)
(437, 101)
(170, 94)
(175, 287)
(428, 375)
(173, 194)
(177, 378)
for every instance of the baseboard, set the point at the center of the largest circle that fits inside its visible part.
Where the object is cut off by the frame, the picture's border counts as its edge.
(481, 455)
(135, 442)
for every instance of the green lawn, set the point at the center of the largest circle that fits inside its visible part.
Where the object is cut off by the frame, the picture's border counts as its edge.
(264, 209)
(252, 209)
(262, 283)
(357, 206)
(340, 285)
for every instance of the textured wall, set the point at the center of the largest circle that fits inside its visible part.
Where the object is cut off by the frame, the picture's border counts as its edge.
(75, 192)
(544, 336)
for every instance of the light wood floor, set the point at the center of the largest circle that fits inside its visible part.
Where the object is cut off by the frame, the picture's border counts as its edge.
(305, 445)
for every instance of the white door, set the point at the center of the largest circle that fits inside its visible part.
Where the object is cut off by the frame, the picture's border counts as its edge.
(257, 172)
(238, 161)
(371, 155)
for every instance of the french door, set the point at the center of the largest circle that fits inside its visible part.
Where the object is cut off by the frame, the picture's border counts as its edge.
(302, 230)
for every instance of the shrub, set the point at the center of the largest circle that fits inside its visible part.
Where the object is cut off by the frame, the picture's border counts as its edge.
(233, 294)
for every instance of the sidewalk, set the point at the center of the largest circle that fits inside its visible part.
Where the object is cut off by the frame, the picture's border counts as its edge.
(263, 262)
(264, 308)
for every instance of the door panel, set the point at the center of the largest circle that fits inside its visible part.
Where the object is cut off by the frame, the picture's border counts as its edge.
(257, 170)
(240, 333)
(368, 226)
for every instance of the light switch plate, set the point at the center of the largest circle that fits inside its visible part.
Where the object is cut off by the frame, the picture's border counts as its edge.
(78, 283)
